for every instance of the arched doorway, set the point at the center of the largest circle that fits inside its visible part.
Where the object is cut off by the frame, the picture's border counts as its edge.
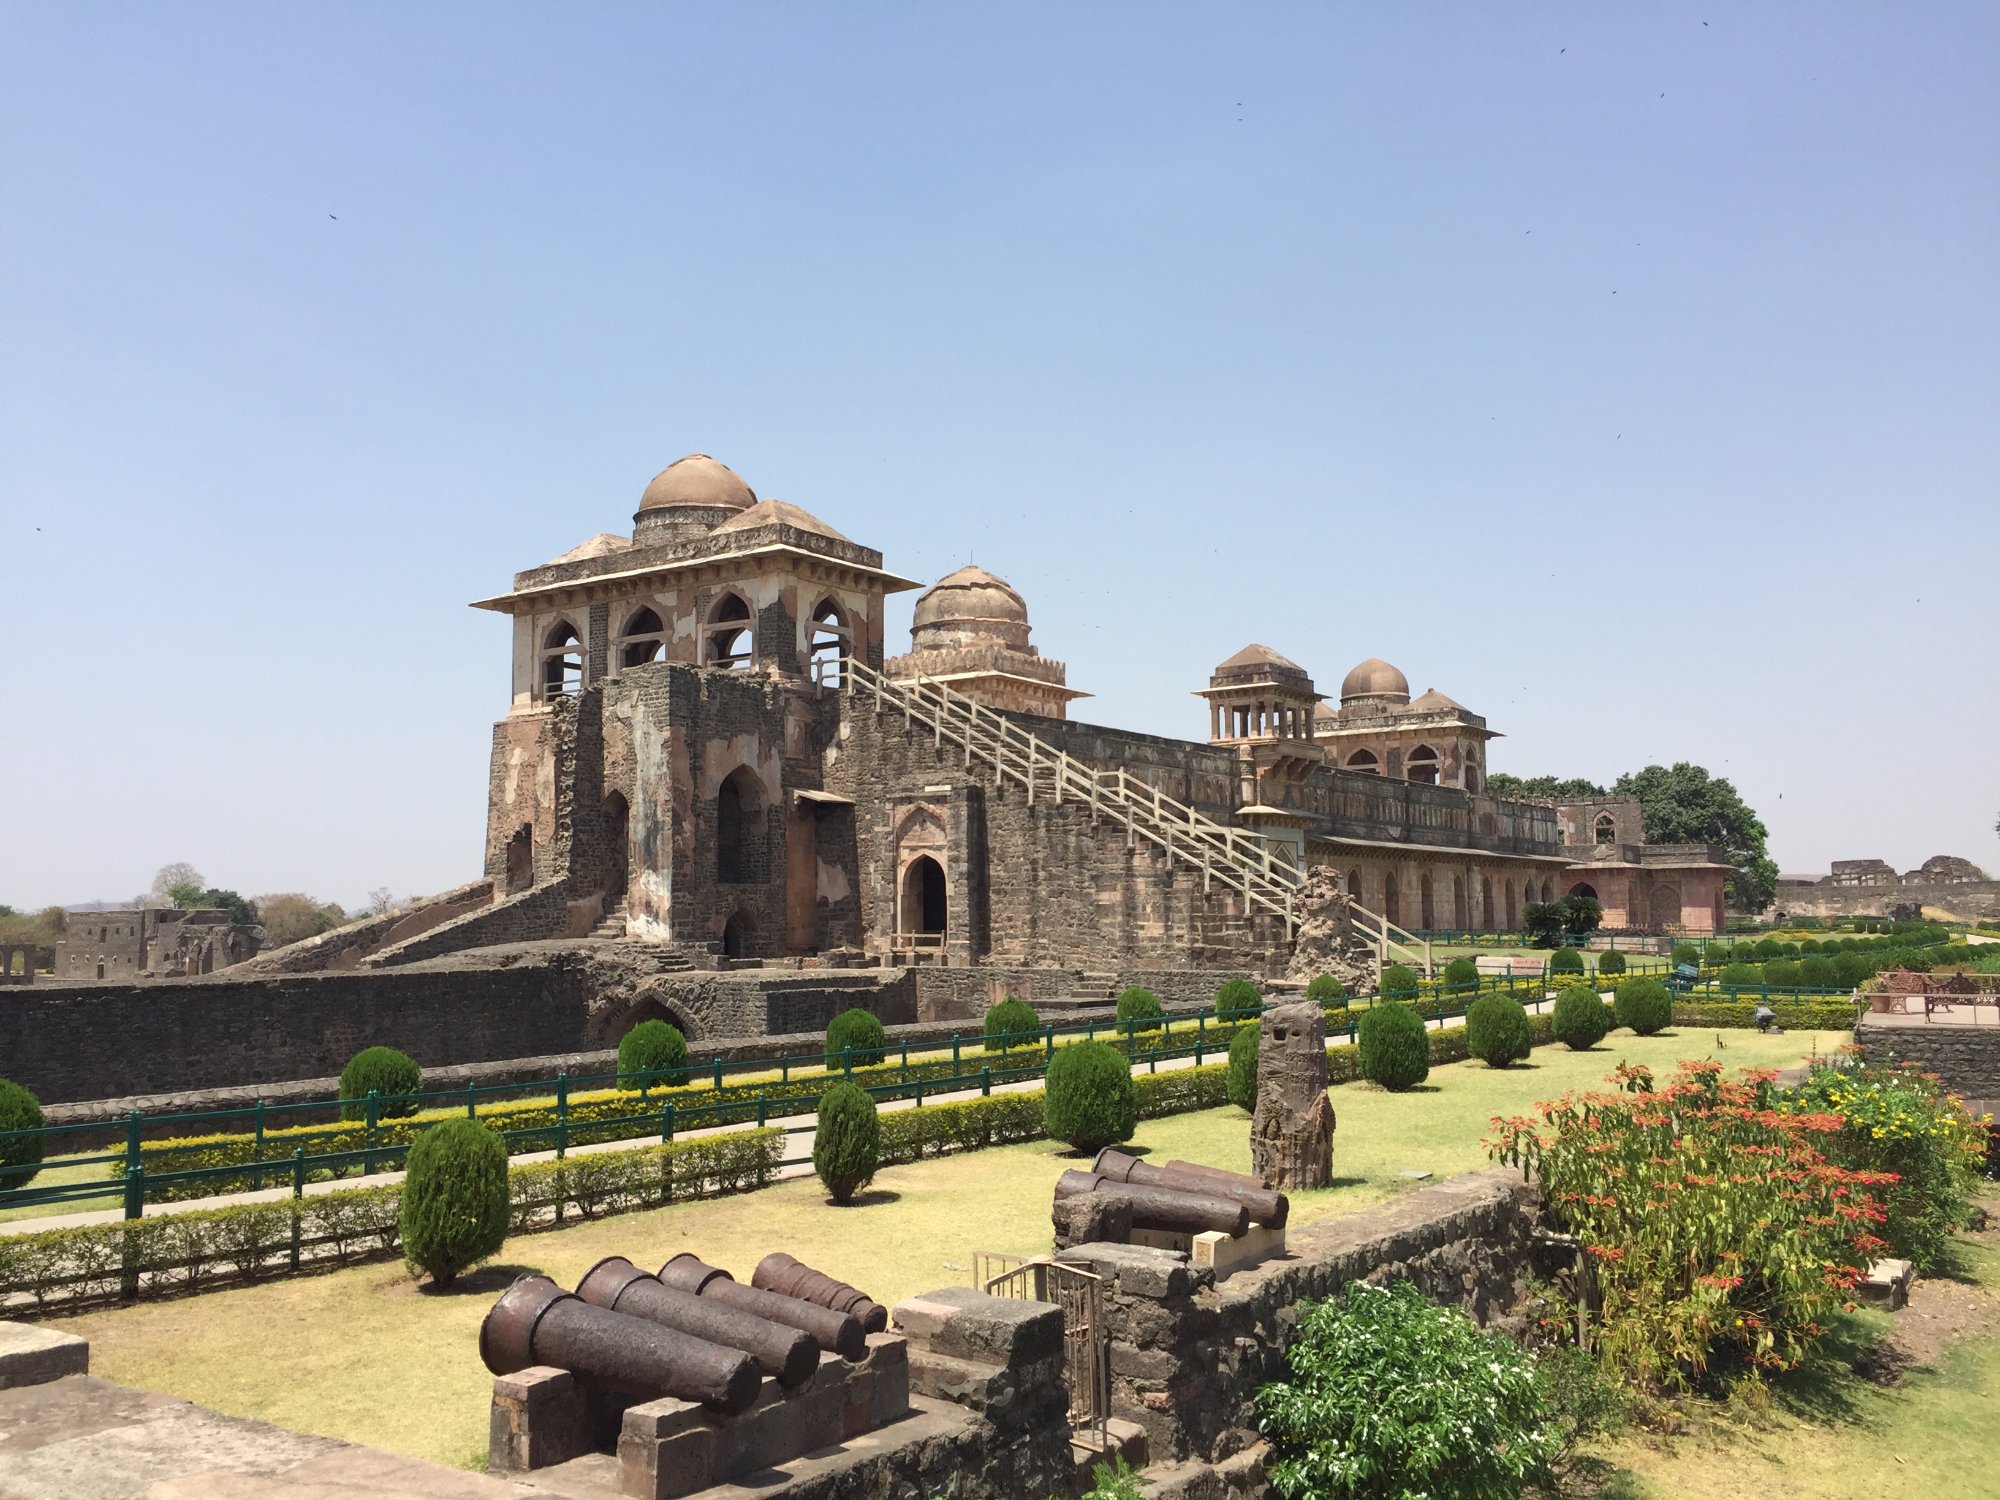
(1354, 885)
(1424, 900)
(1486, 903)
(739, 934)
(1392, 896)
(1666, 906)
(617, 829)
(1513, 908)
(1584, 888)
(924, 912)
(1458, 901)
(739, 819)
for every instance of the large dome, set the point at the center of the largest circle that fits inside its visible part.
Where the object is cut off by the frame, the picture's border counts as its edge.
(697, 480)
(971, 604)
(1374, 678)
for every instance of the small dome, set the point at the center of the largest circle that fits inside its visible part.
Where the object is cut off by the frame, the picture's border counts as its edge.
(971, 604)
(778, 513)
(970, 594)
(697, 480)
(1375, 678)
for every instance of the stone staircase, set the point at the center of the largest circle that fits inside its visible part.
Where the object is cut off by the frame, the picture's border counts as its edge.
(1234, 858)
(612, 923)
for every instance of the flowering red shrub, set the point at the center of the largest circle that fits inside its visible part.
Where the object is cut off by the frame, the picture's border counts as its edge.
(1713, 1224)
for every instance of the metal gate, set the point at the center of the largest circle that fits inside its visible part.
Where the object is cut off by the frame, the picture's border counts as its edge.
(1086, 1340)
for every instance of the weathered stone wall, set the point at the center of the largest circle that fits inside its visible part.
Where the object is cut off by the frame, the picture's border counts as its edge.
(1188, 1354)
(97, 1041)
(1967, 1057)
(1970, 900)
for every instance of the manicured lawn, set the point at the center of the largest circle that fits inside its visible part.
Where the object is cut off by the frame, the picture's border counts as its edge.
(58, 1171)
(1934, 1436)
(362, 1354)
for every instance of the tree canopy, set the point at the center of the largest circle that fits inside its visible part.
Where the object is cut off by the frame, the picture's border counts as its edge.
(1552, 788)
(1683, 804)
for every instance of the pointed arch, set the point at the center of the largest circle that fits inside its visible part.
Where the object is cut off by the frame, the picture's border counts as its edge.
(642, 638)
(829, 642)
(730, 639)
(1421, 765)
(740, 832)
(562, 660)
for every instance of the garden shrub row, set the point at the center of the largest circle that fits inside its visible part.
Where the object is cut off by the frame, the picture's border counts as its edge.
(1801, 1015)
(600, 1115)
(198, 1249)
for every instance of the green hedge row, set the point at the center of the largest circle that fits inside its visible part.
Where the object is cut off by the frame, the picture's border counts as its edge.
(1801, 1015)
(592, 1118)
(194, 1251)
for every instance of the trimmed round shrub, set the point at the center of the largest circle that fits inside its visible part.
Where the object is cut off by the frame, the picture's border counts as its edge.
(1399, 982)
(384, 1071)
(1611, 963)
(1242, 1076)
(1088, 1099)
(1686, 953)
(1784, 971)
(860, 1030)
(1461, 977)
(1743, 975)
(1644, 1005)
(1818, 971)
(1142, 1008)
(1719, 955)
(653, 1054)
(1011, 1023)
(1768, 948)
(1496, 1030)
(1395, 1049)
(1238, 999)
(454, 1204)
(848, 1143)
(1565, 961)
(21, 1155)
(1850, 969)
(1581, 1019)
(1324, 990)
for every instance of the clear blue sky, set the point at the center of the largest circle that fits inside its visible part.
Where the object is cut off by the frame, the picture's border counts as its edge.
(1644, 395)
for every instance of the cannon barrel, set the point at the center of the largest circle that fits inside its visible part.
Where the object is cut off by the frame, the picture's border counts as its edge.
(778, 1272)
(536, 1322)
(1266, 1206)
(835, 1332)
(1163, 1207)
(786, 1354)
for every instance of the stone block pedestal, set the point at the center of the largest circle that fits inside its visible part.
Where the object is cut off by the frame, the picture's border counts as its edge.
(31, 1355)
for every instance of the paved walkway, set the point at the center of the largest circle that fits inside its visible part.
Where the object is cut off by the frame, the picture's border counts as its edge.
(803, 1124)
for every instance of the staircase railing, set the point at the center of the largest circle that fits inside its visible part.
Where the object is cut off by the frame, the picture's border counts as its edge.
(1263, 873)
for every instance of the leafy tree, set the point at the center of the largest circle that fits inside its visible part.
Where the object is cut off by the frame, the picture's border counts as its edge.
(1088, 1097)
(292, 916)
(453, 1211)
(1683, 804)
(847, 1145)
(1395, 1048)
(1581, 914)
(185, 894)
(1549, 788)
(1496, 1030)
(1581, 1019)
(176, 874)
(655, 1053)
(1544, 922)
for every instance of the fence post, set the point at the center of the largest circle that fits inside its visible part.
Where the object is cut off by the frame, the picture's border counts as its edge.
(257, 1168)
(133, 1155)
(954, 1054)
(666, 1122)
(920, 1094)
(1049, 1041)
(562, 1115)
(985, 1081)
(298, 1193)
(128, 1248)
(847, 1063)
(472, 1101)
(368, 1141)
(135, 1192)
(784, 1070)
(763, 1113)
(718, 1073)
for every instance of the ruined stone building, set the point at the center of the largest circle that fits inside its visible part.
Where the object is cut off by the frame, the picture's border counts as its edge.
(157, 941)
(1943, 885)
(710, 746)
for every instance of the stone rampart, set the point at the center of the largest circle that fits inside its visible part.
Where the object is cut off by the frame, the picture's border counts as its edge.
(1188, 1353)
(1965, 1057)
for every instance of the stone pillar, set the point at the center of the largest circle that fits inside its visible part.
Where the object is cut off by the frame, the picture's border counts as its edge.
(1291, 1133)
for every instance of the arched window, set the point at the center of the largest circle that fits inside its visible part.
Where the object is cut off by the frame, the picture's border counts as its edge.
(739, 828)
(1428, 907)
(642, 640)
(1472, 778)
(521, 859)
(1605, 830)
(1458, 901)
(1422, 765)
(1364, 760)
(829, 644)
(1486, 903)
(1513, 908)
(730, 643)
(1354, 885)
(1392, 896)
(562, 660)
